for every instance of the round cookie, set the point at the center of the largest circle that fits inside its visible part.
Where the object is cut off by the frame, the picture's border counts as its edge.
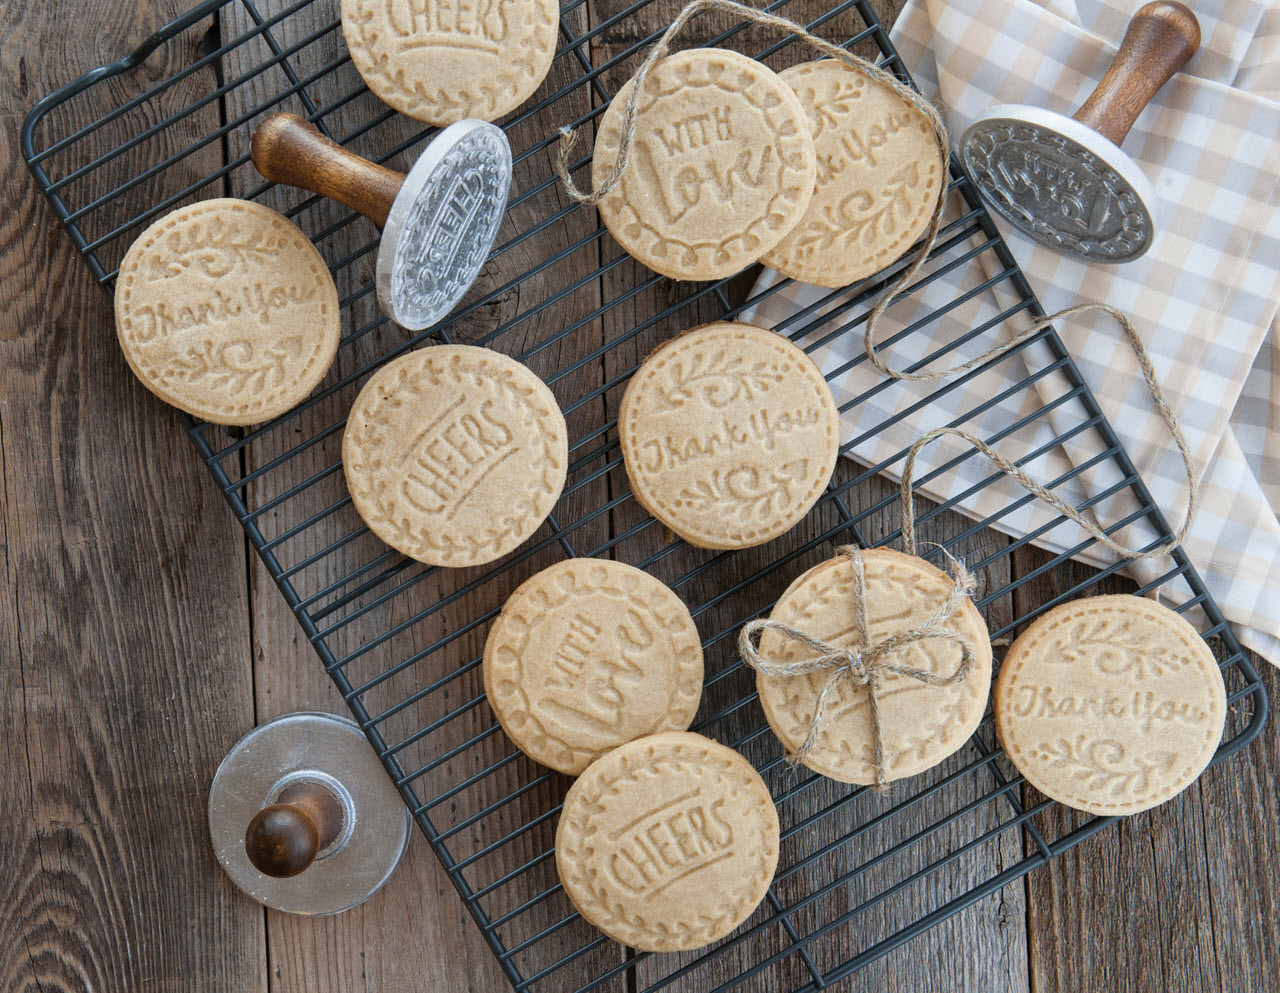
(879, 177)
(668, 842)
(721, 166)
(1110, 704)
(225, 310)
(454, 454)
(921, 724)
(729, 435)
(588, 655)
(442, 61)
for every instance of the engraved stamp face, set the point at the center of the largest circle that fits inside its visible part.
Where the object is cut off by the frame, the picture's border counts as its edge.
(1110, 704)
(441, 61)
(722, 165)
(588, 655)
(454, 455)
(879, 176)
(1057, 190)
(225, 310)
(921, 724)
(668, 843)
(729, 434)
(450, 228)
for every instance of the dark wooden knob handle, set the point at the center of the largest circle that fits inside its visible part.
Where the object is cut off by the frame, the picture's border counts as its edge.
(1159, 41)
(288, 149)
(284, 838)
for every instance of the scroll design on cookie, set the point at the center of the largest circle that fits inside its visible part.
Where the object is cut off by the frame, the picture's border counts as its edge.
(717, 378)
(1105, 765)
(864, 663)
(215, 248)
(1114, 648)
(864, 214)
(746, 493)
(237, 367)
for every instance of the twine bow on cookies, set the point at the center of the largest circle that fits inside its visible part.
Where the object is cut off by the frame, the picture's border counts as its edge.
(868, 663)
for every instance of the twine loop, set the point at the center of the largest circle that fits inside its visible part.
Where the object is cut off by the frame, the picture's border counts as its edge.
(569, 136)
(868, 662)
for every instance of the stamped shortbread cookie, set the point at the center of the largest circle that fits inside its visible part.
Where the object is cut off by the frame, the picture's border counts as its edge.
(668, 842)
(921, 724)
(588, 655)
(879, 177)
(729, 434)
(1110, 704)
(454, 455)
(441, 61)
(721, 165)
(225, 310)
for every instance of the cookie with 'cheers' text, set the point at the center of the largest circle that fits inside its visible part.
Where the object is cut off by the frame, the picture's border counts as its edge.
(454, 455)
(668, 842)
(442, 61)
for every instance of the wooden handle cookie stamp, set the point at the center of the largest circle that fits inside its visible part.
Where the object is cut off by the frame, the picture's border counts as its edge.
(303, 818)
(439, 220)
(1064, 180)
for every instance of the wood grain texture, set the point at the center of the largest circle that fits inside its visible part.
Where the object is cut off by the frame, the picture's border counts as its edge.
(289, 149)
(1160, 40)
(1161, 901)
(124, 664)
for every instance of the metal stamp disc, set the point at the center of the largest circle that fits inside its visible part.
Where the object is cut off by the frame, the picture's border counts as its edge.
(443, 223)
(319, 748)
(1061, 182)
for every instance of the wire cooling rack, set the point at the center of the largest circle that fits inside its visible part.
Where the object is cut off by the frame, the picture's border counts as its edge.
(859, 872)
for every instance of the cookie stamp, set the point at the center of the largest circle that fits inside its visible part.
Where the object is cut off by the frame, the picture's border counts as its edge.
(921, 724)
(224, 309)
(1110, 704)
(729, 435)
(441, 61)
(721, 167)
(454, 455)
(668, 842)
(878, 182)
(588, 655)
(1065, 180)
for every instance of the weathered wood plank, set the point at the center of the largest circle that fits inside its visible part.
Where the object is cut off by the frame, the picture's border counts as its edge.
(124, 666)
(1166, 899)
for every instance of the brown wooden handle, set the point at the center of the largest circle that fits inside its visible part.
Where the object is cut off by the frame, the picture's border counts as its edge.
(288, 149)
(284, 838)
(1159, 41)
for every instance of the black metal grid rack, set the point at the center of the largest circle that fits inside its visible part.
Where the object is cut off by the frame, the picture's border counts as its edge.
(859, 873)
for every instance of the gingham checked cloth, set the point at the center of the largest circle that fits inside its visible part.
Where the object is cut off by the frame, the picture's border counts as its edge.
(1205, 297)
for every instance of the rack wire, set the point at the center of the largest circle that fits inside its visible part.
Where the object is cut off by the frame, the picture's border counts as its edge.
(860, 873)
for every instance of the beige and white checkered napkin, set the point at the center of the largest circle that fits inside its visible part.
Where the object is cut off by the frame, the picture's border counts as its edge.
(1205, 297)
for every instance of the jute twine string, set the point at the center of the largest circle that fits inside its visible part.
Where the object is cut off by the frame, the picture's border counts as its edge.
(1039, 490)
(868, 662)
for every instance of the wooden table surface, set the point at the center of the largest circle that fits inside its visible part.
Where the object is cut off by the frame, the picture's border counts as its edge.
(138, 641)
